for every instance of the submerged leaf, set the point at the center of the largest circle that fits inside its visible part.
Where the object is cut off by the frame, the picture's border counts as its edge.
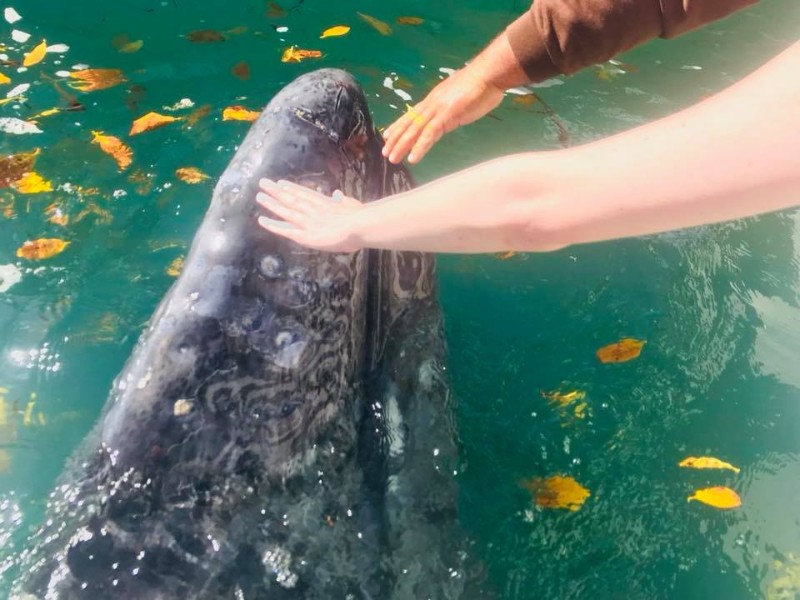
(32, 183)
(241, 70)
(706, 462)
(335, 31)
(151, 120)
(114, 147)
(190, 175)
(564, 398)
(90, 80)
(718, 497)
(14, 166)
(275, 10)
(56, 215)
(194, 117)
(410, 21)
(205, 36)
(41, 249)
(295, 54)
(557, 492)
(505, 255)
(124, 44)
(621, 351)
(239, 113)
(36, 55)
(380, 26)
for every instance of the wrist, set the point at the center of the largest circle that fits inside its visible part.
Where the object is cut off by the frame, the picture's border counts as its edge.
(497, 65)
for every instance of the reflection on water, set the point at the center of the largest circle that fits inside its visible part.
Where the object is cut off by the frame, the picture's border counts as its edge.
(718, 306)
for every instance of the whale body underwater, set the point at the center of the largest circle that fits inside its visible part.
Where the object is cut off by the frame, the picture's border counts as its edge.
(284, 427)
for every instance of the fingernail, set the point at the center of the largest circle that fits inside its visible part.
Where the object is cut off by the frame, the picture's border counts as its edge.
(273, 224)
(262, 197)
(264, 182)
(337, 196)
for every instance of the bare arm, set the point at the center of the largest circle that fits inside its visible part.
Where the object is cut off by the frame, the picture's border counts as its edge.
(733, 155)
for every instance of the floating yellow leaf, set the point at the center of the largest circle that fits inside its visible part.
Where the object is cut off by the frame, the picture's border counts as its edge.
(239, 113)
(706, 462)
(114, 147)
(90, 80)
(41, 248)
(205, 36)
(36, 55)
(191, 175)
(380, 26)
(621, 351)
(335, 31)
(175, 267)
(410, 21)
(14, 166)
(241, 70)
(718, 497)
(4, 79)
(557, 492)
(32, 183)
(151, 120)
(295, 54)
(505, 255)
(564, 398)
(56, 215)
(580, 410)
(45, 113)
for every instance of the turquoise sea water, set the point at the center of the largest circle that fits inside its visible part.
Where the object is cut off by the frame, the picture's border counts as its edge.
(718, 306)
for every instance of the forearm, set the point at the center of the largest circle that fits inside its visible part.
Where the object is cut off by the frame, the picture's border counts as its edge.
(734, 155)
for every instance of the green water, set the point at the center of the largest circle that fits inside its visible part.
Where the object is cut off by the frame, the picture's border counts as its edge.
(718, 306)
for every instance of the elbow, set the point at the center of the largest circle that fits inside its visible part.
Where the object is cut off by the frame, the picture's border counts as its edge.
(533, 226)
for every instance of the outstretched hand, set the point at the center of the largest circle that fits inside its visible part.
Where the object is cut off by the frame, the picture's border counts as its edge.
(309, 218)
(462, 98)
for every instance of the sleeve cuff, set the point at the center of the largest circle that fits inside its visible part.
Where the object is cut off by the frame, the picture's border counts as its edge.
(528, 45)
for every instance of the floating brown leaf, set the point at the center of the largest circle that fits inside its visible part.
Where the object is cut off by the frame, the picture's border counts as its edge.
(410, 21)
(241, 70)
(557, 492)
(36, 55)
(239, 113)
(380, 26)
(14, 166)
(621, 351)
(190, 175)
(32, 183)
(706, 462)
(41, 249)
(204, 36)
(275, 10)
(151, 120)
(90, 80)
(114, 147)
(718, 497)
(295, 54)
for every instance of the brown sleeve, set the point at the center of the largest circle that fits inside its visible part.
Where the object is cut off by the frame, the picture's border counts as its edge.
(563, 36)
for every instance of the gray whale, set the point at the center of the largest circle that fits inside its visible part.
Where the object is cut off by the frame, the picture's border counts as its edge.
(283, 428)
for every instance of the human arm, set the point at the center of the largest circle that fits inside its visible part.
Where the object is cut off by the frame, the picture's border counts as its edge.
(553, 37)
(733, 155)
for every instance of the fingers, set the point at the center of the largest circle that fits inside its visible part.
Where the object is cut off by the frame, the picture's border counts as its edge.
(432, 133)
(284, 229)
(404, 134)
(278, 204)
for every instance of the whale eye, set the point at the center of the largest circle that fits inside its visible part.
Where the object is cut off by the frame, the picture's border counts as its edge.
(271, 266)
